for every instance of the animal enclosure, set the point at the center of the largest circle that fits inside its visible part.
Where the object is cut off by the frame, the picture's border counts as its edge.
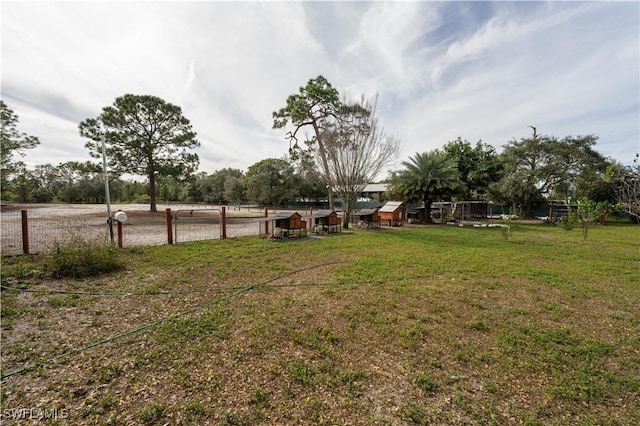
(50, 225)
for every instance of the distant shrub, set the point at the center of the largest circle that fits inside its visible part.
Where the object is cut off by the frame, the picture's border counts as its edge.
(142, 199)
(80, 259)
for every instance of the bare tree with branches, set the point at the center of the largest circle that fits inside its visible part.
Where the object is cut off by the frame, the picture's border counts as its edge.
(356, 150)
(316, 106)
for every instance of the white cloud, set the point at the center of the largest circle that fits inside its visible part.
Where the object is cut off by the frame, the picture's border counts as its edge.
(517, 70)
(443, 70)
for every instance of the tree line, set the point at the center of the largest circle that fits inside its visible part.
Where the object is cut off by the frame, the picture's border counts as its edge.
(269, 182)
(345, 149)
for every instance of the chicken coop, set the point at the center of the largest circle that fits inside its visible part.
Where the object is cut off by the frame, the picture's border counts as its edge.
(392, 213)
(326, 221)
(416, 214)
(285, 225)
(365, 218)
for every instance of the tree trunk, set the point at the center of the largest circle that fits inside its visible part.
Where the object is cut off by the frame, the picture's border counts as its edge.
(325, 166)
(346, 210)
(152, 192)
(427, 210)
(332, 204)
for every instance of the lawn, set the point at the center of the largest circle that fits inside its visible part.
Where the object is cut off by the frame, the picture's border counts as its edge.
(415, 325)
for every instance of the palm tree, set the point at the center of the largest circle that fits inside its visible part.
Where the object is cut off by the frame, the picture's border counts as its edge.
(428, 177)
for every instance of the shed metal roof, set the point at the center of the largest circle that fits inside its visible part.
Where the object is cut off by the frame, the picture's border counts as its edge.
(278, 216)
(391, 206)
(375, 187)
(415, 210)
(364, 212)
(322, 213)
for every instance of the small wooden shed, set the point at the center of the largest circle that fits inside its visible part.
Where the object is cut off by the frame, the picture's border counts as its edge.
(392, 212)
(416, 214)
(326, 221)
(365, 218)
(286, 224)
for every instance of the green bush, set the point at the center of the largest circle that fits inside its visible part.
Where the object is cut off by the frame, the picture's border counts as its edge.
(425, 382)
(81, 259)
(151, 412)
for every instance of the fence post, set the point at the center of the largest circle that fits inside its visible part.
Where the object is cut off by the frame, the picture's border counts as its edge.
(169, 228)
(119, 234)
(25, 232)
(223, 221)
(266, 222)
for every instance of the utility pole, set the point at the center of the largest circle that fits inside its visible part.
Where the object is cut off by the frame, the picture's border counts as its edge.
(106, 185)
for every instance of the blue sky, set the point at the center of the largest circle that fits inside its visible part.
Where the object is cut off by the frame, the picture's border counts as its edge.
(442, 70)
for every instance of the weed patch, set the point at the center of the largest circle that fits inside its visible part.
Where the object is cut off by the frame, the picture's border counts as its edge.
(151, 412)
(82, 259)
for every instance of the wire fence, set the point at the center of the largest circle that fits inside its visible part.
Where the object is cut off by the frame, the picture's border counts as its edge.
(38, 228)
(46, 229)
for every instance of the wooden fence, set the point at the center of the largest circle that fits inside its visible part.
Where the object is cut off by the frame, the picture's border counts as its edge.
(38, 230)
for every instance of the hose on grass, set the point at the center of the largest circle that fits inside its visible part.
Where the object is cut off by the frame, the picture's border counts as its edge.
(183, 292)
(113, 293)
(142, 293)
(237, 292)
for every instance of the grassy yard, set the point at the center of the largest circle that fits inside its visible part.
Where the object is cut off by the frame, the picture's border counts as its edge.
(416, 325)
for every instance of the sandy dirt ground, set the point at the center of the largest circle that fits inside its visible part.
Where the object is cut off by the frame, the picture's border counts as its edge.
(53, 224)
